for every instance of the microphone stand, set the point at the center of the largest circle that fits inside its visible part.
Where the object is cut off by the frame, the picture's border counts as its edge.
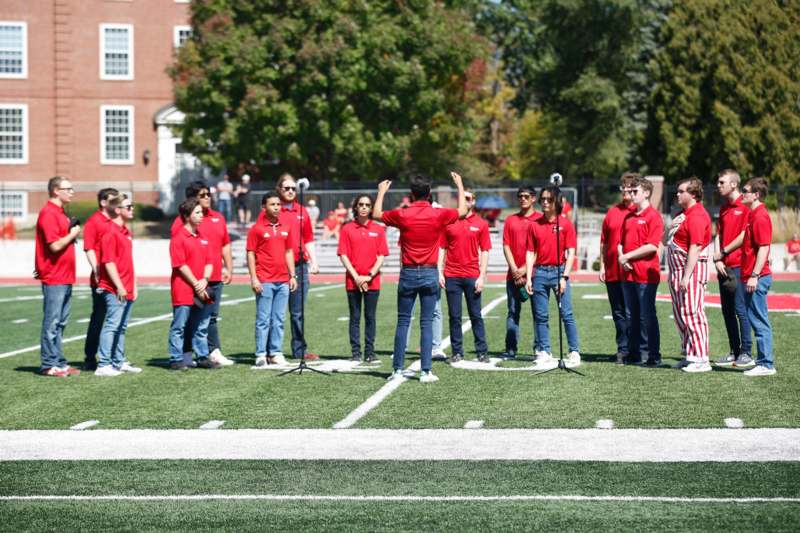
(561, 364)
(302, 184)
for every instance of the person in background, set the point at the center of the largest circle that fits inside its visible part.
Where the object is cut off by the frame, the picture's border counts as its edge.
(610, 269)
(792, 253)
(330, 227)
(362, 249)
(225, 197)
(313, 212)
(56, 234)
(117, 286)
(96, 225)
(341, 213)
(242, 195)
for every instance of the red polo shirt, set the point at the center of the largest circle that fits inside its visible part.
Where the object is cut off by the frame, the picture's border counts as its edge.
(215, 229)
(611, 236)
(269, 242)
(362, 245)
(515, 236)
(757, 233)
(116, 247)
(542, 240)
(420, 227)
(639, 229)
(93, 230)
(53, 268)
(793, 247)
(191, 249)
(732, 221)
(696, 229)
(290, 215)
(462, 240)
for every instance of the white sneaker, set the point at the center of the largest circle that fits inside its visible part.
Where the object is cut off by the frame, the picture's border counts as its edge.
(261, 361)
(760, 371)
(217, 357)
(438, 354)
(278, 358)
(129, 368)
(573, 359)
(188, 360)
(397, 374)
(697, 367)
(107, 371)
(427, 377)
(542, 357)
(408, 373)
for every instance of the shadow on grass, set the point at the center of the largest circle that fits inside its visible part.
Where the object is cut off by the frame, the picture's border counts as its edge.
(30, 369)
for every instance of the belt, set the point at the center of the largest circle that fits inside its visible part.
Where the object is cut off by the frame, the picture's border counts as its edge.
(419, 267)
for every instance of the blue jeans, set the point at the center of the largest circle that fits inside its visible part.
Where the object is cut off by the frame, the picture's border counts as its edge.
(224, 207)
(734, 311)
(296, 300)
(214, 290)
(112, 336)
(437, 324)
(55, 316)
(756, 303)
(644, 336)
(96, 320)
(514, 303)
(544, 281)
(616, 299)
(454, 288)
(370, 299)
(181, 316)
(270, 316)
(425, 283)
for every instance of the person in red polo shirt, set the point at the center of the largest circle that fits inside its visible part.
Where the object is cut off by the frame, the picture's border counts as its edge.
(362, 248)
(270, 261)
(117, 285)
(463, 260)
(305, 260)
(515, 241)
(553, 266)
(93, 230)
(792, 252)
(610, 269)
(728, 263)
(421, 227)
(687, 257)
(642, 231)
(213, 228)
(756, 274)
(192, 264)
(55, 269)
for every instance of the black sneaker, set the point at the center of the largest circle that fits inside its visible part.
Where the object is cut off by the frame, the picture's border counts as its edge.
(628, 360)
(484, 358)
(456, 358)
(372, 359)
(509, 354)
(178, 365)
(653, 363)
(206, 362)
(356, 358)
(90, 364)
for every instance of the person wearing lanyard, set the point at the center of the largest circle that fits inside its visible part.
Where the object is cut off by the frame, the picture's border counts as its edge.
(421, 228)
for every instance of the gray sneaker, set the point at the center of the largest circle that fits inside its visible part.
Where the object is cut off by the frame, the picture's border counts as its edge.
(456, 358)
(744, 361)
(726, 360)
(484, 358)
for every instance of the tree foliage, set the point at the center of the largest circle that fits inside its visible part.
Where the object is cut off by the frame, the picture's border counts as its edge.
(340, 89)
(727, 90)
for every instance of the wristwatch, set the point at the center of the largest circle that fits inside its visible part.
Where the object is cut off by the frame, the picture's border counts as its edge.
(754, 275)
(565, 277)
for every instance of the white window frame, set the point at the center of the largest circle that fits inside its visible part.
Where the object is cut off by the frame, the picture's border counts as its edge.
(124, 77)
(4, 200)
(131, 135)
(24, 159)
(176, 35)
(24, 73)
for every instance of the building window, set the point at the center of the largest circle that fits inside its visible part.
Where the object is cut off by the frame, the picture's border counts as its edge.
(181, 34)
(116, 135)
(116, 52)
(13, 134)
(13, 204)
(13, 50)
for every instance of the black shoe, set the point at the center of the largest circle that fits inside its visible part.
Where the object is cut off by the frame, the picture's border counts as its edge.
(372, 359)
(509, 354)
(628, 360)
(484, 358)
(90, 364)
(178, 365)
(456, 358)
(653, 363)
(356, 358)
(206, 362)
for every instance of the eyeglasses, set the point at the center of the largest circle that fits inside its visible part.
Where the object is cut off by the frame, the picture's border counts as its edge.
(634, 191)
(362, 204)
(524, 196)
(68, 189)
(204, 195)
(469, 198)
(287, 189)
(746, 191)
(128, 207)
(681, 191)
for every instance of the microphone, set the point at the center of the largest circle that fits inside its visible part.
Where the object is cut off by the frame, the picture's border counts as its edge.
(556, 179)
(303, 184)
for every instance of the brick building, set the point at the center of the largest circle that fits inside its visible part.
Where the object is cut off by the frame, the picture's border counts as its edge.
(84, 93)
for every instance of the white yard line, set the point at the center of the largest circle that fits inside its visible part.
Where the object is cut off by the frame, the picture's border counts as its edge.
(603, 445)
(402, 498)
(390, 386)
(151, 319)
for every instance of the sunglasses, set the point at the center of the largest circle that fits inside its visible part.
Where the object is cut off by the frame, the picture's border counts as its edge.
(128, 207)
(545, 200)
(361, 204)
(287, 189)
(469, 198)
(524, 196)
(204, 195)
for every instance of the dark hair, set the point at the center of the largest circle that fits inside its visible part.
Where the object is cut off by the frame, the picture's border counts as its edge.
(420, 187)
(186, 208)
(268, 195)
(106, 193)
(693, 186)
(194, 188)
(735, 178)
(528, 188)
(644, 183)
(555, 193)
(629, 178)
(354, 207)
(53, 184)
(760, 186)
(116, 200)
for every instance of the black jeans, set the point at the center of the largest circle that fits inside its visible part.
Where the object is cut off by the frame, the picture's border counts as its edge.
(96, 320)
(455, 287)
(734, 311)
(370, 299)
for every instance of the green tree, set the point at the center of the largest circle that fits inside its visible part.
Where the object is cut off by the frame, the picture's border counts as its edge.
(727, 90)
(343, 89)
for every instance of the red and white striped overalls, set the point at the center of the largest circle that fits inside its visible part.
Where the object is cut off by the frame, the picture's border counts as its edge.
(688, 306)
